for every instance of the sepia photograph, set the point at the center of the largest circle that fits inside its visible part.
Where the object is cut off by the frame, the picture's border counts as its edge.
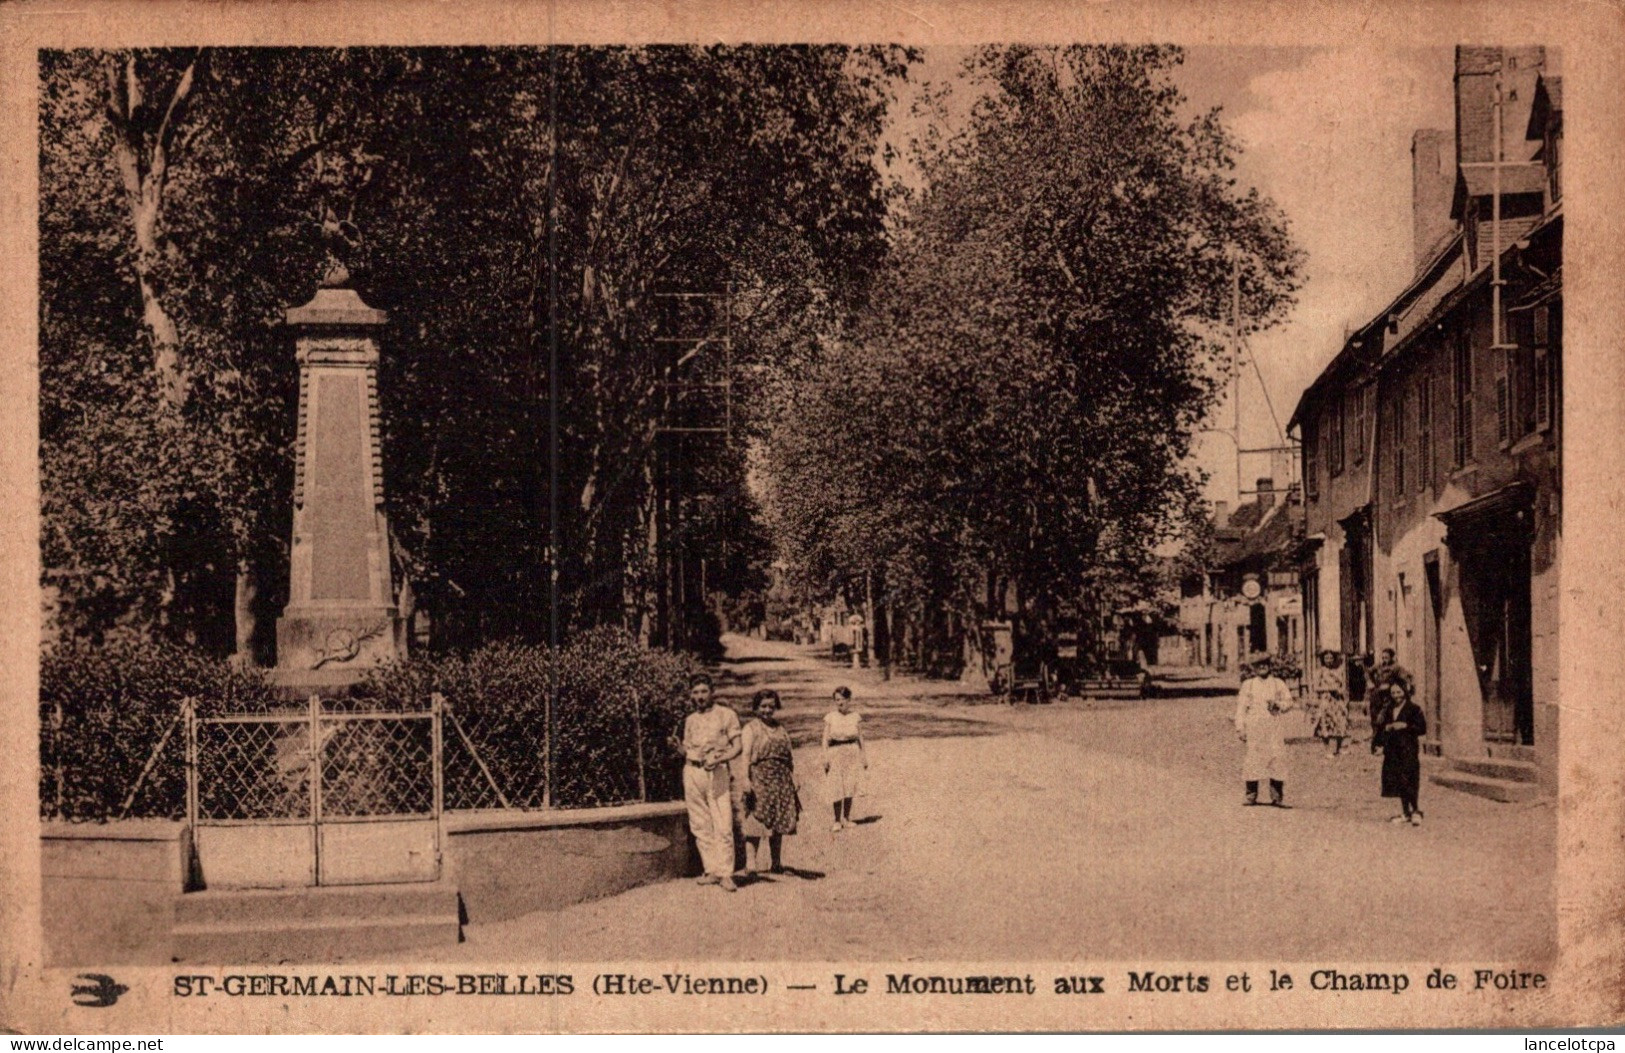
(655, 527)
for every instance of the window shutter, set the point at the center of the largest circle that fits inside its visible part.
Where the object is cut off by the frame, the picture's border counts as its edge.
(1542, 370)
(1311, 467)
(1462, 397)
(1399, 445)
(1424, 431)
(1501, 409)
(1509, 371)
(1359, 425)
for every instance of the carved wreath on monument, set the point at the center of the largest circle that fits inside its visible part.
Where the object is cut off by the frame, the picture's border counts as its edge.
(344, 643)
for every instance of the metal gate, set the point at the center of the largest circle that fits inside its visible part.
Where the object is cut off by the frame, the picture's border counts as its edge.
(320, 796)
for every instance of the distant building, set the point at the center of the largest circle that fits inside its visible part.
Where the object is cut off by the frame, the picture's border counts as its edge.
(1247, 599)
(1432, 440)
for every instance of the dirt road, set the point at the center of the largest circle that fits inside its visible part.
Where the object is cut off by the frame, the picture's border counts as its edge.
(1077, 831)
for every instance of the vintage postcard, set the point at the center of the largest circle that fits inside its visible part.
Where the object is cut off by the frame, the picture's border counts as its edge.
(811, 517)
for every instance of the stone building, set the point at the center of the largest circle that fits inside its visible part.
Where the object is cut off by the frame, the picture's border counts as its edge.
(1247, 599)
(1432, 441)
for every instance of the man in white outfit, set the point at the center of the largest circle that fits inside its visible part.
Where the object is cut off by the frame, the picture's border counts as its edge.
(1262, 706)
(710, 741)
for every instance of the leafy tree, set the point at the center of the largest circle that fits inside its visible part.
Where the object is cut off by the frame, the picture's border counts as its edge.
(517, 211)
(1011, 416)
(179, 214)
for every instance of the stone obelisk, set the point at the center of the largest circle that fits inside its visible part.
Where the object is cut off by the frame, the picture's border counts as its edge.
(341, 617)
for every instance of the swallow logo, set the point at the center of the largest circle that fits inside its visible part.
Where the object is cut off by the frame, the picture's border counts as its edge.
(99, 993)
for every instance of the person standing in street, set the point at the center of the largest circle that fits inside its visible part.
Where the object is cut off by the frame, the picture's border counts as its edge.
(843, 756)
(710, 740)
(1389, 671)
(1403, 725)
(1332, 715)
(772, 805)
(1262, 705)
(1382, 674)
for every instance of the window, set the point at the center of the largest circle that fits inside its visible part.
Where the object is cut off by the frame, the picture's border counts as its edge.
(1334, 437)
(1399, 444)
(1461, 375)
(1525, 403)
(1424, 430)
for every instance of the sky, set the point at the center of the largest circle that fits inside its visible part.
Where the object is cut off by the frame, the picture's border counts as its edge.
(1326, 134)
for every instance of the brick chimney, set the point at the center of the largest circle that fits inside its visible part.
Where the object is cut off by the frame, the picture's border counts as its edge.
(1477, 69)
(1433, 182)
(1266, 493)
(1475, 95)
(1221, 514)
(1281, 464)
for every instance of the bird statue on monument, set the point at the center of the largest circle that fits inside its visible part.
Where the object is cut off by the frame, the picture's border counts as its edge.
(342, 241)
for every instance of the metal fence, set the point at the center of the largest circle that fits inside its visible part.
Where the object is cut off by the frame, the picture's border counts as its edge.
(606, 756)
(373, 761)
(331, 794)
(324, 762)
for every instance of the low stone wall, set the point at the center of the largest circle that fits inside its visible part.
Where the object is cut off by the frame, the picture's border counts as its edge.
(510, 863)
(108, 889)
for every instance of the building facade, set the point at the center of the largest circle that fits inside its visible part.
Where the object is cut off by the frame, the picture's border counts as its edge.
(1247, 598)
(1432, 442)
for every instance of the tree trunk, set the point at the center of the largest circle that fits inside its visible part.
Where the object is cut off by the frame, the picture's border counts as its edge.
(880, 628)
(886, 639)
(247, 619)
(406, 605)
(144, 167)
(643, 567)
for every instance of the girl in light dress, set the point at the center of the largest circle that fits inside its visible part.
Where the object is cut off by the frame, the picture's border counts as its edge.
(843, 756)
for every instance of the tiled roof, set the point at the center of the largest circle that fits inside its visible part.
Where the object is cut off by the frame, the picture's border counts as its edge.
(1272, 542)
(1246, 517)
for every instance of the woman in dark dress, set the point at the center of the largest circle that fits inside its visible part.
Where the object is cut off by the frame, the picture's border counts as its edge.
(771, 803)
(1402, 725)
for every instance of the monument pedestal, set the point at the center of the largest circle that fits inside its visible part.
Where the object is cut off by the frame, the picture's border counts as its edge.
(326, 648)
(341, 618)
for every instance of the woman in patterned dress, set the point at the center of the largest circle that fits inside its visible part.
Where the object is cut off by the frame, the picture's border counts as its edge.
(1332, 707)
(843, 755)
(771, 803)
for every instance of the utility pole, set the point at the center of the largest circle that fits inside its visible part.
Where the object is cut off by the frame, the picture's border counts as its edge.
(1238, 346)
(1235, 337)
(1497, 282)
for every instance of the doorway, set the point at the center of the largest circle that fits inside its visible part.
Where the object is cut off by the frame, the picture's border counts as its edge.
(1496, 600)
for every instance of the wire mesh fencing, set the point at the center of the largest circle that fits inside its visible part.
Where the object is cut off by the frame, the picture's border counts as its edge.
(607, 755)
(251, 769)
(372, 761)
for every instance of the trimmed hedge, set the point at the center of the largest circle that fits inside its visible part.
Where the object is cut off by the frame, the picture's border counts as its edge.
(613, 706)
(103, 710)
(601, 691)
